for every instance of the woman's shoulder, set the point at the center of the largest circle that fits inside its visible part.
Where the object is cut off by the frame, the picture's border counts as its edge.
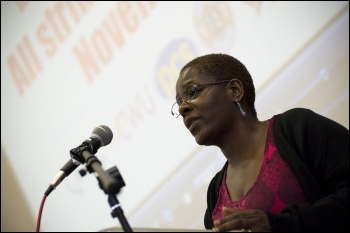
(303, 117)
(295, 118)
(298, 111)
(296, 114)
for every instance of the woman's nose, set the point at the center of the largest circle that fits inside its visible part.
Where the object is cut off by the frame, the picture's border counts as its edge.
(184, 108)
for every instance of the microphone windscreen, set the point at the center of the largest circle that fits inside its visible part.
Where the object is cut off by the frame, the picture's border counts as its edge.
(103, 133)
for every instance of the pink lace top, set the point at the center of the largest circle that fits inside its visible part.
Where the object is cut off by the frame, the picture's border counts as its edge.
(275, 186)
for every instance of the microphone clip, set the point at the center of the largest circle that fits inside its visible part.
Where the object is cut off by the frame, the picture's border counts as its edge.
(77, 153)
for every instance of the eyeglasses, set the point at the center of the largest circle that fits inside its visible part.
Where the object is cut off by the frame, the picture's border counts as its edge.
(189, 94)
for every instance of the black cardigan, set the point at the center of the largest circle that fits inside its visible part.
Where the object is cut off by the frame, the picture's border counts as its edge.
(317, 150)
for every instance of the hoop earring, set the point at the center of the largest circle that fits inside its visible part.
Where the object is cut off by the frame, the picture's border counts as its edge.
(240, 109)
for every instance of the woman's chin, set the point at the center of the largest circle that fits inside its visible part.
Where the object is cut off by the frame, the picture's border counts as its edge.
(200, 140)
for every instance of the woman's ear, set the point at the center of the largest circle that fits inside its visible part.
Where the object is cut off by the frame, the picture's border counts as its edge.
(236, 86)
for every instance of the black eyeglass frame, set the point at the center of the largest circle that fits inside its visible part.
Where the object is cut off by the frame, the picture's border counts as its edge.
(195, 91)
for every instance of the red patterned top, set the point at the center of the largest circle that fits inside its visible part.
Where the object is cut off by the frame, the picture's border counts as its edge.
(275, 186)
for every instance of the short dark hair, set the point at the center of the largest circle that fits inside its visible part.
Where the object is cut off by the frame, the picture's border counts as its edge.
(221, 67)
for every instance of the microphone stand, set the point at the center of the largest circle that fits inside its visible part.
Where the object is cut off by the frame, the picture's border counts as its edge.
(116, 207)
(109, 181)
(118, 212)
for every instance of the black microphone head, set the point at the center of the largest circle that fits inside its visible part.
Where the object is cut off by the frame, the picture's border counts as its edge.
(103, 133)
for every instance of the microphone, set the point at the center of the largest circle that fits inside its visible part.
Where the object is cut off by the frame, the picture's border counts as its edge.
(100, 136)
